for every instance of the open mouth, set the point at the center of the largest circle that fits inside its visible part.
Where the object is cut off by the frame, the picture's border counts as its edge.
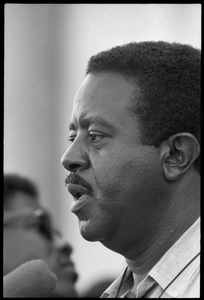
(78, 191)
(78, 195)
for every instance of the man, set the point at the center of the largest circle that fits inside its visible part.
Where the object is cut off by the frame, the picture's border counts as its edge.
(29, 234)
(134, 165)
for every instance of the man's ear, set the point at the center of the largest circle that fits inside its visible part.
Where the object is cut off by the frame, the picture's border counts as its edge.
(178, 153)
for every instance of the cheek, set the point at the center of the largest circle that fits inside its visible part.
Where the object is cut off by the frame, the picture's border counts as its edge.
(111, 173)
(129, 176)
(114, 182)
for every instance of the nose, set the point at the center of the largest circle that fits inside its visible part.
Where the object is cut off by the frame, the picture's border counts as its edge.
(62, 246)
(75, 158)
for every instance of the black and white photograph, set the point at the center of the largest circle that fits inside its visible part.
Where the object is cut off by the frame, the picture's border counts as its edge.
(101, 150)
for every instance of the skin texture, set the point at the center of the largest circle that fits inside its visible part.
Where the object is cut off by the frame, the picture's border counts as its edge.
(23, 244)
(137, 199)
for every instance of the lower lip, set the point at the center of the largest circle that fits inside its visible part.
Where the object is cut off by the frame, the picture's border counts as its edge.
(77, 205)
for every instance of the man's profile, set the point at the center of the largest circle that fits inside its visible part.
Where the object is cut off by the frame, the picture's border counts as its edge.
(134, 165)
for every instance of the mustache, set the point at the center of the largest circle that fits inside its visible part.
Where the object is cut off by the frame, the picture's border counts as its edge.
(76, 179)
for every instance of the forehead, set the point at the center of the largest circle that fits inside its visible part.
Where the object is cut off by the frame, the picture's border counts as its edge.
(104, 94)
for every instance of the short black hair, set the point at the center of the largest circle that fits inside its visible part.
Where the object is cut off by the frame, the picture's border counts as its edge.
(168, 77)
(14, 183)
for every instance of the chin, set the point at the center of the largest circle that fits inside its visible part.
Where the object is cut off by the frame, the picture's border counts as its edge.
(90, 237)
(88, 231)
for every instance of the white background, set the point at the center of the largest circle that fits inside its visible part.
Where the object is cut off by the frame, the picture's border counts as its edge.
(47, 47)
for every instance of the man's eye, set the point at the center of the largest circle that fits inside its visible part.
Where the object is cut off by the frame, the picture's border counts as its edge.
(96, 137)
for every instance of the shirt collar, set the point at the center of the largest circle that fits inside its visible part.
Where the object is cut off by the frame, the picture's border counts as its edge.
(113, 289)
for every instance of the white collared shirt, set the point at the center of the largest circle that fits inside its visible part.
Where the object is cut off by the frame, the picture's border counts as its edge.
(176, 274)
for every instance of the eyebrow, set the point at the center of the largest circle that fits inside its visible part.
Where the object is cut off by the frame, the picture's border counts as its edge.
(85, 122)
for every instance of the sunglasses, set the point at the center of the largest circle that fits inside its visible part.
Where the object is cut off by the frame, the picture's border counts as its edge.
(38, 219)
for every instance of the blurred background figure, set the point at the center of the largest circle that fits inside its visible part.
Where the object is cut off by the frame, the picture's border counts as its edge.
(29, 234)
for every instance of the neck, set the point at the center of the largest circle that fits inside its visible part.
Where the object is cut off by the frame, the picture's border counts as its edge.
(143, 264)
(183, 211)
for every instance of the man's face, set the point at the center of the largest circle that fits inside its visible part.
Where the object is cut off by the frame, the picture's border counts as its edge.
(122, 188)
(25, 239)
